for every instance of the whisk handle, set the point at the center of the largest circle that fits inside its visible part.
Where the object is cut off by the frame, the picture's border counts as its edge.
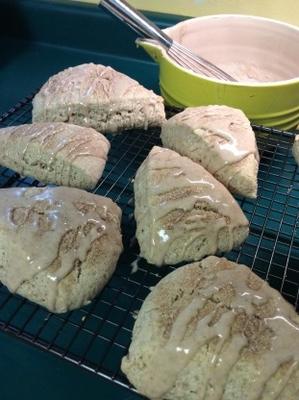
(136, 21)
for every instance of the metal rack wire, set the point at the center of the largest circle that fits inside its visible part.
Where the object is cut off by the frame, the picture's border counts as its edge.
(98, 335)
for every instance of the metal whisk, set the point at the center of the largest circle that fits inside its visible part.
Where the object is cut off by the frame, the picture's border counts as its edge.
(148, 30)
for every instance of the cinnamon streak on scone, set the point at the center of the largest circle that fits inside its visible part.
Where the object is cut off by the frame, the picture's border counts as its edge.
(182, 212)
(58, 246)
(99, 97)
(219, 138)
(57, 153)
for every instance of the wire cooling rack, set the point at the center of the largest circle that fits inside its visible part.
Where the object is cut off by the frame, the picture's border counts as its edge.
(98, 335)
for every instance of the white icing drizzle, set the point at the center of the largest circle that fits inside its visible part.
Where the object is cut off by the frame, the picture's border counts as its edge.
(181, 348)
(98, 96)
(56, 227)
(58, 145)
(134, 265)
(227, 130)
(85, 82)
(180, 189)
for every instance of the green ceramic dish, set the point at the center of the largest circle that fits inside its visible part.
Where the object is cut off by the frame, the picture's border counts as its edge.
(260, 48)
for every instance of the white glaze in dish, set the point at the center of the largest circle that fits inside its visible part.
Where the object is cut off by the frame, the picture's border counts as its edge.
(252, 49)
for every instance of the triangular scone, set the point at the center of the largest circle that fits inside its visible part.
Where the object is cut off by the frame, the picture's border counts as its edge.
(214, 330)
(219, 138)
(98, 97)
(58, 246)
(58, 153)
(182, 212)
(296, 149)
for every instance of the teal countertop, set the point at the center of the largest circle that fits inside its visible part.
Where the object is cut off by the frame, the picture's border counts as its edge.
(32, 50)
(28, 373)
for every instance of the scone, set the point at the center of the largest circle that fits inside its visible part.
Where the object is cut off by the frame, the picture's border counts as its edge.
(214, 330)
(182, 212)
(58, 246)
(99, 97)
(296, 149)
(58, 153)
(219, 138)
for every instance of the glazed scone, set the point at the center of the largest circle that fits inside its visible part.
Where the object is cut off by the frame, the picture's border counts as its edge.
(213, 330)
(296, 149)
(57, 153)
(58, 246)
(219, 138)
(98, 97)
(182, 212)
